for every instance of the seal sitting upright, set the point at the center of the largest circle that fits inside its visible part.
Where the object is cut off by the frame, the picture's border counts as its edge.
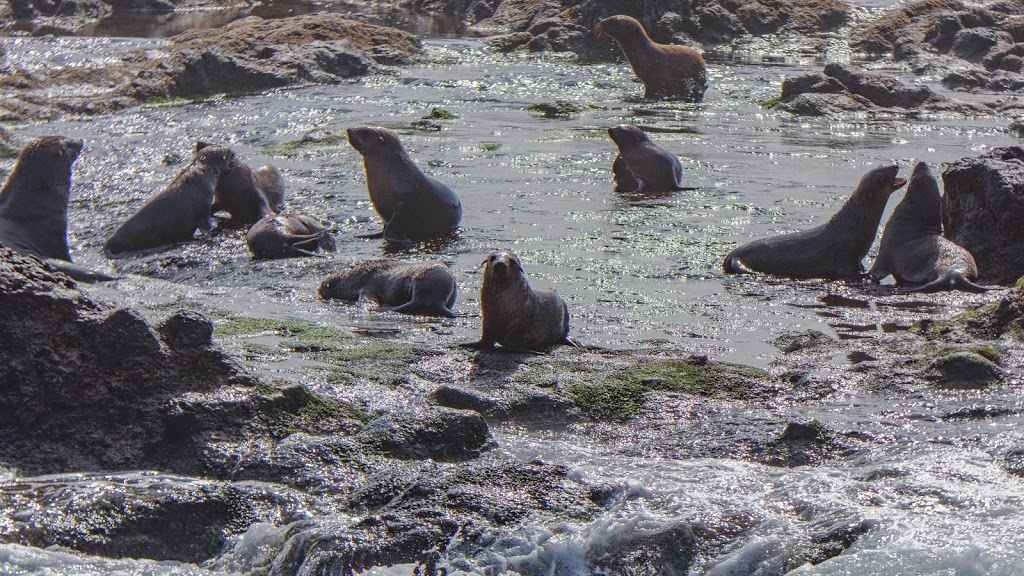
(414, 207)
(668, 71)
(516, 316)
(913, 250)
(34, 204)
(833, 250)
(643, 166)
(424, 288)
(240, 191)
(178, 210)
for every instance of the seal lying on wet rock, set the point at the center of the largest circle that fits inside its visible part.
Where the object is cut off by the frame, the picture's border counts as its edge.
(414, 207)
(643, 166)
(178, 210)
(668, 71)
(833, 250)
(516, 316)
(423, 288)
(244, 193)
(287, 236)
(34, 204)
(913, 250)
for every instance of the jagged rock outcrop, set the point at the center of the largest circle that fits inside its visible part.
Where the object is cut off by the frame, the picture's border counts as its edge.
(70, 16)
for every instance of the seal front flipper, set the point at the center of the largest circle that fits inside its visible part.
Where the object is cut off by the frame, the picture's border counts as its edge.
(372, 235)
(481, 344)
(625, 181)
(426, 308)
(733, 265)
(79, 273)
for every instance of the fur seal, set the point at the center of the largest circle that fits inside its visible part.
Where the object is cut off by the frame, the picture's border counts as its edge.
(516, 316)
(668, 71)
(178, 210)
(270, 181)
(913, 250)
(424, 288)
(414, 207)
(239, 192)
(833, 250)
(34, 204)
(643, 166)
(288, 235)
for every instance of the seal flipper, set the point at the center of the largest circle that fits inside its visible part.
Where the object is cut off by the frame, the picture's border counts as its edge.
(415, 307)
(625, 181)
(78, 273)
(481, 344)
(733, 265)
(372, 235)
(950, 280)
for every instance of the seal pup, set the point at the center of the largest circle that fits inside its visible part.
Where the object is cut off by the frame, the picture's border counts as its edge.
(415, 207)
(833, 250)
(239, 192)
(516, 316)
(642, 165)
(271, 183)
(423, 288)
(913, 250)
(668, 71)
(178, 210)
(288, 235)
(34, 205)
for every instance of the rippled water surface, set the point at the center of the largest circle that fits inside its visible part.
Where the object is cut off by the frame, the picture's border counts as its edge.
(632, 269)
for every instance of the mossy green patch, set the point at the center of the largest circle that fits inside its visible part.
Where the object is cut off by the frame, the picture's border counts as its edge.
(490, 146)
(245, 326)
(770, 103)
(310, 140)
(440, 114)
(165, 102)
(988, 322)
(426, 125)
(307, 411)
(989, 352)
(7, 151)
(557, 109)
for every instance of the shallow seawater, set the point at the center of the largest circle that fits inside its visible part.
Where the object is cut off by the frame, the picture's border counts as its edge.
(633, 269)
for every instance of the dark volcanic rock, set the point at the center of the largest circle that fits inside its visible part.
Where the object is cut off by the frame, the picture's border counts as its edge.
(802, 444)
(983, 211)
(963, 370)
(439, 434)
(70, 16)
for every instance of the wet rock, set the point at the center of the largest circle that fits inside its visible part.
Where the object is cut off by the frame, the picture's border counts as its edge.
(49, 16)
(983, 208)
(668, 551)
(1013, 461)
(963, 370)
(1017, 127)
(441, 434)
(830, 542)
(802, 444)
(186, 330)
(525, 406)
(810, 339)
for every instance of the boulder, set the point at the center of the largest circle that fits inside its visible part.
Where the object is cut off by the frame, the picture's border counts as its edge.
(983, 211)
(441, 434)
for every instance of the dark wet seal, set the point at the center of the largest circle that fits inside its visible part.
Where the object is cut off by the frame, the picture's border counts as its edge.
(246, 194)
(667, 71)
(834, 250)
(288, 236)
(174, 215)
(516, 316)
(913, 250)
(34, 205)
(641, 165)
(415, 207)
(422, 288)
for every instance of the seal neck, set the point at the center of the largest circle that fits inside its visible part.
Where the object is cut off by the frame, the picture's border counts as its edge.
(635, 45)
(859, 218)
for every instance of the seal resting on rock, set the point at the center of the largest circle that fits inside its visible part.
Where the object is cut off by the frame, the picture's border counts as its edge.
(242, 193)
(414, 207)
(34, 204)
(423, 288)
(833, 250)
(288, 235)
(668, 71)
(178, 210)
(516, 316)
(643, 166)
(913, 250)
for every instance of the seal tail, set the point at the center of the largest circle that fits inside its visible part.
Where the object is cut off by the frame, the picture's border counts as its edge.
(951, 280)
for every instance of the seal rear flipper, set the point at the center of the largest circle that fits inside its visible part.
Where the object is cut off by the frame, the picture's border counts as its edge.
(79, 273)
(480, 344)
(301, 252)
(733, 265)
(372, 235)
(950, 280)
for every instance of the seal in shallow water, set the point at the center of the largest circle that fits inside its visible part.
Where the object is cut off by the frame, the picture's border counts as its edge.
(178, 210)
(34, 204)
(642, 165)
(239, 192)
(833, 250)
(288, 235)
(516, 316)
(913, 250)
(424, 288)
(668, 71)
(414, 207)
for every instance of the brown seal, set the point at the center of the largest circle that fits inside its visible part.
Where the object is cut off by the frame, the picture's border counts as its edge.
(642, 166)
(178, 210)
(414, 206)
(34, 204)
(288, 235)
(516, 316)
(239, 192)
(424, 288)
(270, 181)
(834, 249)
(913, 250)
(668, 71)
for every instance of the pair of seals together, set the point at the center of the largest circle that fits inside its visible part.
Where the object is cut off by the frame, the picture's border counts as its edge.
(642, 166)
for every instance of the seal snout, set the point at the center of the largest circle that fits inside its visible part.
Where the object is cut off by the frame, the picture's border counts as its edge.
(501, 264)
(921, 171)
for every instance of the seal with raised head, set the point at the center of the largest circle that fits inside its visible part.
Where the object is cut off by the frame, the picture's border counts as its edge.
(642, 165)
(913, 249)
(668, 71)
(288, 235)
(174, 214)
(34, 204)
(270, 181)
(423, 288)
(414, 207)
(239, 192)
(515, 315)
(834, 250)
